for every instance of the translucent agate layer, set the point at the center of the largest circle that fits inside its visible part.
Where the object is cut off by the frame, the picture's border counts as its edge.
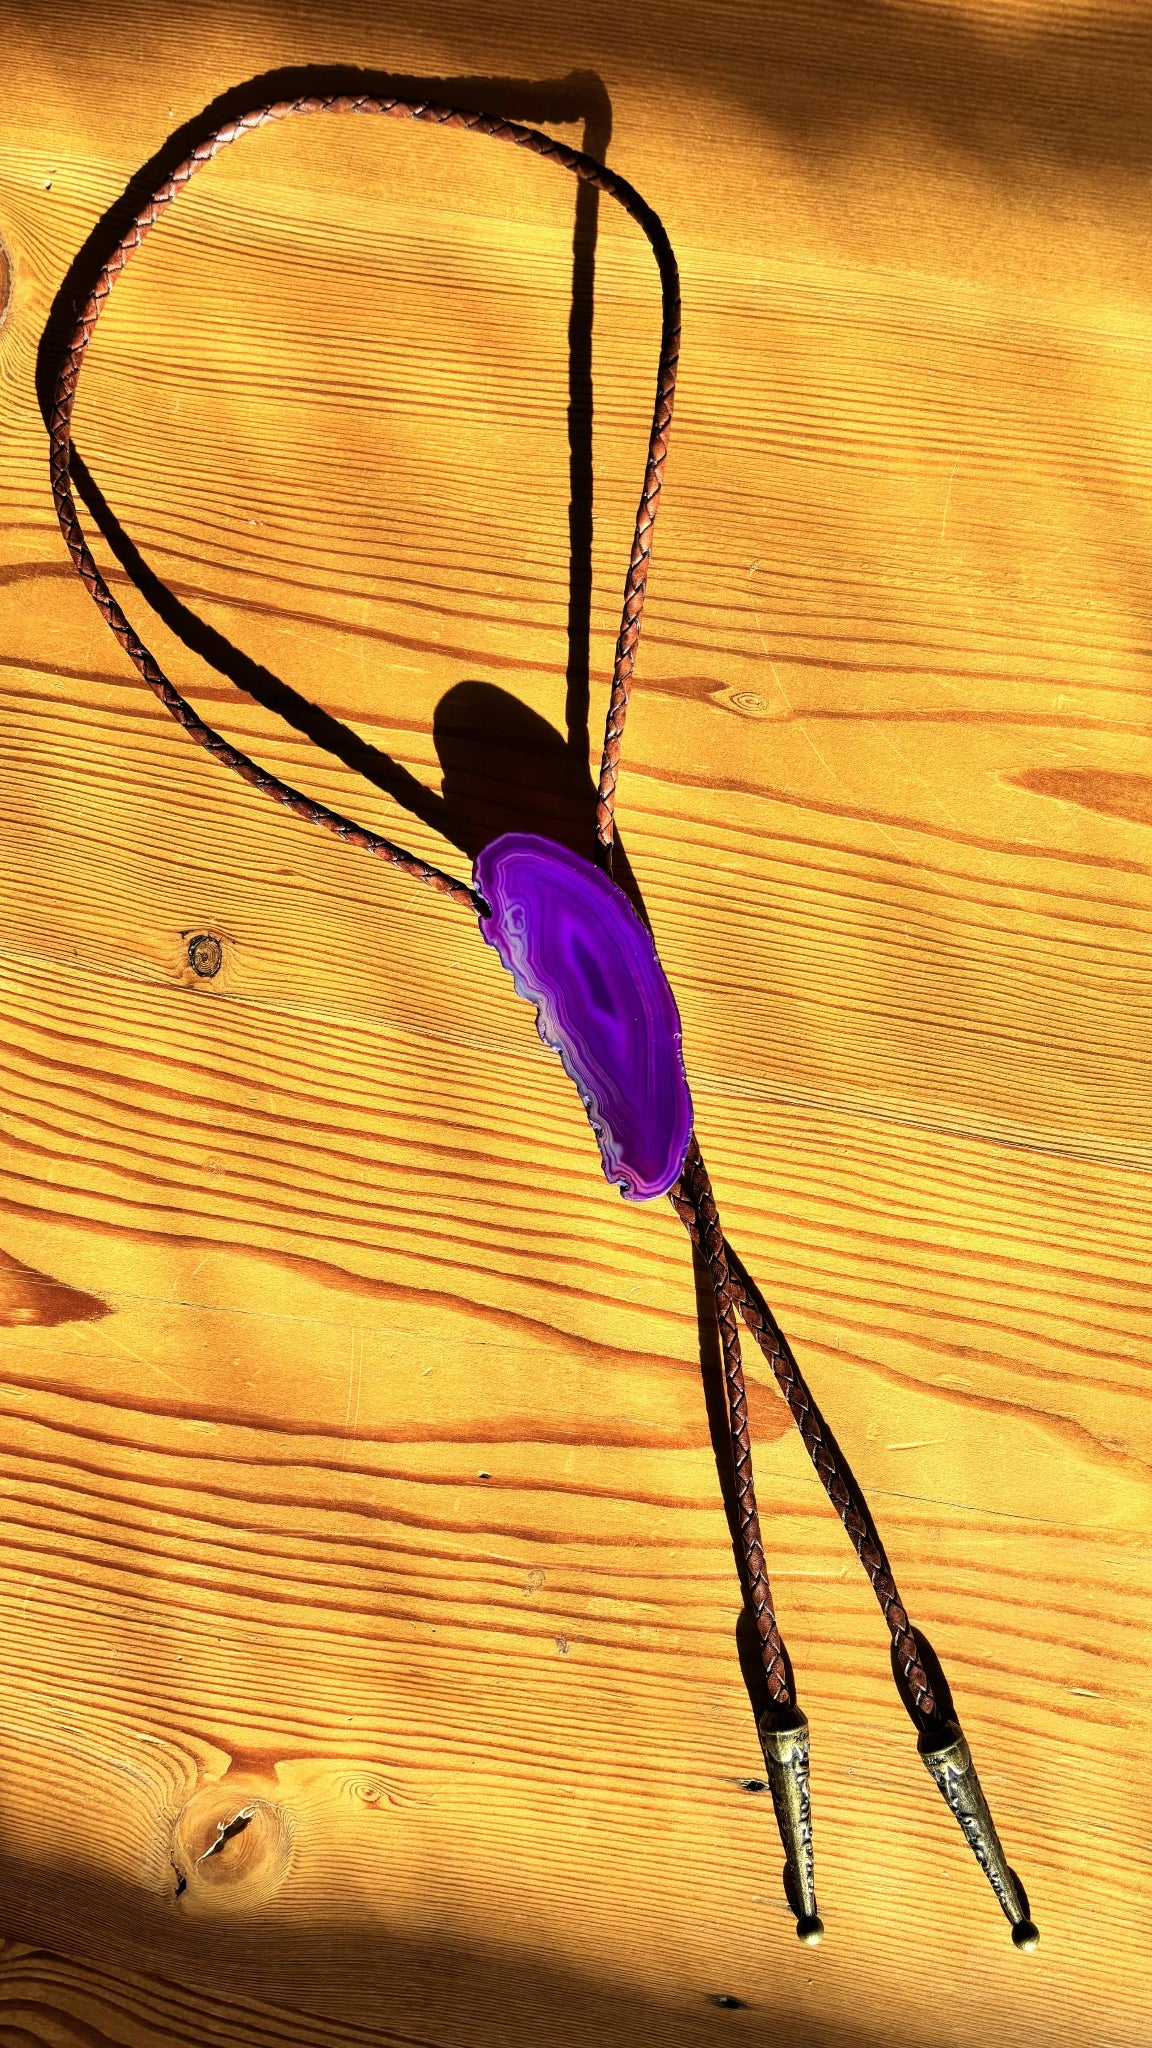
(575, 948)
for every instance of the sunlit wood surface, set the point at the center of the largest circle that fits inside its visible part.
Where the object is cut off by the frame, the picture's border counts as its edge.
(356, 1472)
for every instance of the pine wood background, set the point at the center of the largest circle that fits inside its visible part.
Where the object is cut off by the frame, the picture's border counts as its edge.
(355, 1465)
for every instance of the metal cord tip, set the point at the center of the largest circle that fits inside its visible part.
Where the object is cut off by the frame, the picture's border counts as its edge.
(810, 1930)
(784, 1740)
(949, 1760)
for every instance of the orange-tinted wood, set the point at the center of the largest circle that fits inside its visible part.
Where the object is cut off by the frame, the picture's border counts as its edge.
(360, 1522)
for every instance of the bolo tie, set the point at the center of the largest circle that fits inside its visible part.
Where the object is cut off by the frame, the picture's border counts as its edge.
(576, 948)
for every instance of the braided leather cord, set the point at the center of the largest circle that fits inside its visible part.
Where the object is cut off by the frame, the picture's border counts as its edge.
(832, 1468)
(693, 1198)
(700, 1214)
(583, 167)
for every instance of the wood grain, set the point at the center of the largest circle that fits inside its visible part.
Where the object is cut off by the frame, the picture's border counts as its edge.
(359, 1519)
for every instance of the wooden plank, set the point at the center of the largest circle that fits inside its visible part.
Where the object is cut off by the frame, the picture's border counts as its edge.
(44, 1998)
(359, 1513)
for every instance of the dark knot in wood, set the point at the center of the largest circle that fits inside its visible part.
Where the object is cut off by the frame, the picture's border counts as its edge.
(205, 955)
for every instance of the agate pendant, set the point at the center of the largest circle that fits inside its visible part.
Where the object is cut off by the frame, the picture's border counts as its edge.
(575, 947)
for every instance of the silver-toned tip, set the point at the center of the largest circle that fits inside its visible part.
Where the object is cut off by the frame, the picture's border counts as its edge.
(784, 1740)
(949, 1761)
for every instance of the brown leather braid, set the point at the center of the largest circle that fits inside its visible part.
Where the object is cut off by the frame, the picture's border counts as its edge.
(583, 167)
(693, 1197)
(637, 578)
(701, 1215)
(832, 1467)
(836, 1477)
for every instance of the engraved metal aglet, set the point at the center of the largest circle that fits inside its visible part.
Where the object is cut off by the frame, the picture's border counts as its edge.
(784, 1740)
(949, 1760)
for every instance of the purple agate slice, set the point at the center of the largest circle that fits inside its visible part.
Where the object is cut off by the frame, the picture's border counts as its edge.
(575, 947)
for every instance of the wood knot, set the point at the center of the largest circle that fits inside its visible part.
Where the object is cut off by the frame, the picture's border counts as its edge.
(5, 283)
(205, 955)
(229, 1852)
(368, 1791)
